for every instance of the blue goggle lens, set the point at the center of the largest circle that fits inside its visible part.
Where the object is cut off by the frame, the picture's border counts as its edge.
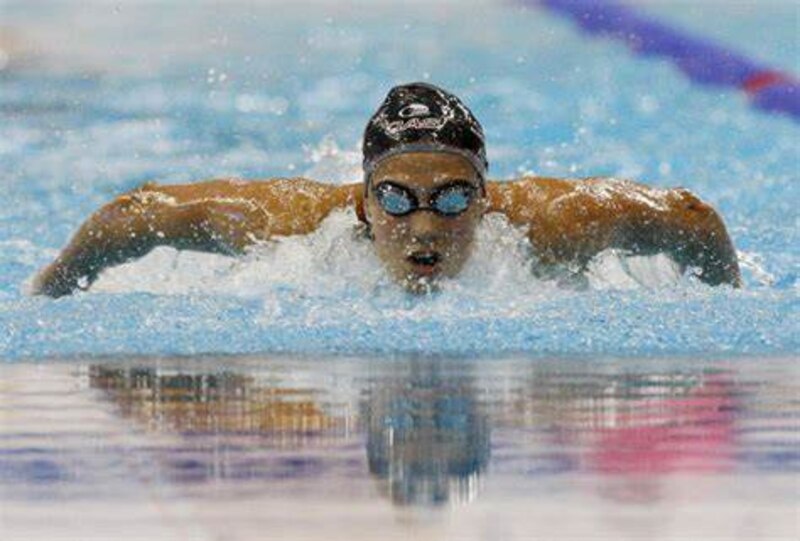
(453, 200)
(450, 200)
(394, 200)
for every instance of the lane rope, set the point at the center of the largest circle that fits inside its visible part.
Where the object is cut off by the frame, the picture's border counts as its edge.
(701, 60)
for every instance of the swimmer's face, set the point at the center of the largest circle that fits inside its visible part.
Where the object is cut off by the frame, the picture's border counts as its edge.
(422, 246)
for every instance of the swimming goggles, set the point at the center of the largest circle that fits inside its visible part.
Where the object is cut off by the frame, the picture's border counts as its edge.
(451, 199)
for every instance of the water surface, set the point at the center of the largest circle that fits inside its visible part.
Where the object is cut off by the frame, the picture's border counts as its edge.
(99, 97)
(347, 448)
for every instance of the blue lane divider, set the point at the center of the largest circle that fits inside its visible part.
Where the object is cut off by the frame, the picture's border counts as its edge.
(701, 60)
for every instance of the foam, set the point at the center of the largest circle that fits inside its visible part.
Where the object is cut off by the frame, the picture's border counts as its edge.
(335, 259)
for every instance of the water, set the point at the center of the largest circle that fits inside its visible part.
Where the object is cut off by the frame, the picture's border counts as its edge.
(296, 392)
(97, 99)
(344, 448)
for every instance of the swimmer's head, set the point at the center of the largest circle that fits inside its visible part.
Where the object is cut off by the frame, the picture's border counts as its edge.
(425, 118)
(424, 175)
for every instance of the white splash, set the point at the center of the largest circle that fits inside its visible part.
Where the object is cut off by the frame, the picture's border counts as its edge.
(754, 263)
(336, 261)
(330, 163)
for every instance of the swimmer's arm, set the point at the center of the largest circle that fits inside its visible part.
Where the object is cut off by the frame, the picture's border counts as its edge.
(568, 225)
(687, 229)
(217, 216)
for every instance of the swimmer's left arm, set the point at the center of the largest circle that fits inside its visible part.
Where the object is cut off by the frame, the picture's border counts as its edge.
(572, 221)
(681, 225)
(220, 216)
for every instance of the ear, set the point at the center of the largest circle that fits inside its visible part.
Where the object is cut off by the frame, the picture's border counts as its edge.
(360, 205)
(491, 196)
(484, 202)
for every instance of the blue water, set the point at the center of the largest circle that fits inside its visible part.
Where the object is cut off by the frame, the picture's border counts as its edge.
(278, 447)
(94, 100)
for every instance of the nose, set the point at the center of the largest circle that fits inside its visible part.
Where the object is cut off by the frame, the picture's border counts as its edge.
(423, 225)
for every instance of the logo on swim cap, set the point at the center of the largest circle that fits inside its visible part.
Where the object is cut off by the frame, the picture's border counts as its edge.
(398, 126)
(413, 110)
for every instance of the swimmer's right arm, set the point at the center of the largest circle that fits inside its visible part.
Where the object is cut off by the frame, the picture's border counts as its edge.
(569, 222)
(219, 216)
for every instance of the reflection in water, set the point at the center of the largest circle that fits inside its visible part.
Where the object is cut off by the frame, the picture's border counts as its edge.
(427, 440)
(427, 425)
(335, 448)
(635, 429)
(427, 437)
(235, 426)
(220, 402)
(638, 423)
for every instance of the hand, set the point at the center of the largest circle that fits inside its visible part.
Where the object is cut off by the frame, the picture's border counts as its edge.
(57, 280)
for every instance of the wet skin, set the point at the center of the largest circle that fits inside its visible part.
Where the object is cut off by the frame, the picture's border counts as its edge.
(419, 248)
(567, 222)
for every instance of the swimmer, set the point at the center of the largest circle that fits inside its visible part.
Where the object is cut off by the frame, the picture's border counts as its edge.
(423, 194)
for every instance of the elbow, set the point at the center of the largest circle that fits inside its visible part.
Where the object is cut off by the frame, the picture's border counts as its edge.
(706, 243)
(720, 271)
(694, 217)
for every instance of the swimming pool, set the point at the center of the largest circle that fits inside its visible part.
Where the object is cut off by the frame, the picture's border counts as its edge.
(97, 98)
(262, 94)
(352, 448)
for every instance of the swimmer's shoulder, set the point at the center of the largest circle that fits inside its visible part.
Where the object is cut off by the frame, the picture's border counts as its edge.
(288, 190)
(543, 192)
(519, 197)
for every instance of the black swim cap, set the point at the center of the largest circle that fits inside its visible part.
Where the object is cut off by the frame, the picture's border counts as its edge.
(423, 117)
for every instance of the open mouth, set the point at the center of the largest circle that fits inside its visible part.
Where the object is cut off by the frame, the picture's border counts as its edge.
(425, 260)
